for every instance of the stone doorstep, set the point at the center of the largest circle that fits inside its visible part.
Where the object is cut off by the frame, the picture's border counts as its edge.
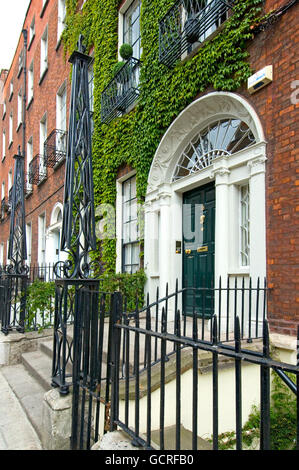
(14, 345)
(204, 367)
(286, 342)
(119, 440)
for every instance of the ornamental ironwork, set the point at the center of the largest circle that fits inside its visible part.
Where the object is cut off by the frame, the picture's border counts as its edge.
(224, 137)
(187, 24)
(14, 277)
(78, 226)
(55, 148)
(121, 92)
(37, 170)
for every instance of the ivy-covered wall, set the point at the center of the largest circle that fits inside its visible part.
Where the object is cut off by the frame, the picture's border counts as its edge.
(220, 64)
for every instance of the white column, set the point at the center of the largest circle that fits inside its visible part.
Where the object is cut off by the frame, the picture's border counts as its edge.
(221, 223)
(222, 237)
(257, 219)
(165, 241)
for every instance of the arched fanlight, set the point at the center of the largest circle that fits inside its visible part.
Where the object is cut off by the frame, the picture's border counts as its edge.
(224, 137)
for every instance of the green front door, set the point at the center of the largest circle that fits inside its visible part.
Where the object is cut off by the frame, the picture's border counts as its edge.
(199, 250)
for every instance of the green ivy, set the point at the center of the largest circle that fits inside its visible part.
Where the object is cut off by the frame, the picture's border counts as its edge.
(220, 64)
(283, 421)
(130, 285)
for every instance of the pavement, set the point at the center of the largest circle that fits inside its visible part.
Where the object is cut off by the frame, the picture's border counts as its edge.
(16, 432)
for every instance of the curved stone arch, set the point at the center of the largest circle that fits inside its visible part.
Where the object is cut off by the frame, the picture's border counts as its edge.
(199, 114)
(55, 211)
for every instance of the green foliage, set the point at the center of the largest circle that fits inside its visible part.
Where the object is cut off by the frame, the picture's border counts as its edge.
(40, 305)
(283, 427)
(117, 67)
(126, 51)
(130, 285)
(220, 64)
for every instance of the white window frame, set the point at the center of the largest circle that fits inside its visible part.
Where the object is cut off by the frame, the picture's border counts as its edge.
(120, 224)
(61, 18)
(20, 108)
(29, 159)
(30, 82)
(32, 30)
(10, 136)
(1, 254)
(3, 144)
(42, 239)
(9, 180)
(11, 89)
(61, 107)
(29, 241)
(42, 133)
(44, 52)
(121, 18)
(244, 226)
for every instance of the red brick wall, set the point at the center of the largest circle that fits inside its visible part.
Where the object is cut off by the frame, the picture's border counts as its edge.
(44, 197)
(279, 116)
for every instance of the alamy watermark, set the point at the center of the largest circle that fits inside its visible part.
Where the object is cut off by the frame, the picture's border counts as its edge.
(295, 94)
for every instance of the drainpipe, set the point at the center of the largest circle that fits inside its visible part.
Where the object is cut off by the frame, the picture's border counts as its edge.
(24, 92)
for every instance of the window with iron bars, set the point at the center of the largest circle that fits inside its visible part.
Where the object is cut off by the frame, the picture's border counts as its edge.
(187, 24)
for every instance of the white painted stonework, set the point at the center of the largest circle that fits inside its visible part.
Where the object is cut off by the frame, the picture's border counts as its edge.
(163, 206)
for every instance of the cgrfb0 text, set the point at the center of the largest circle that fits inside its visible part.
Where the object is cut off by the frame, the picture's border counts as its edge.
(174, 459)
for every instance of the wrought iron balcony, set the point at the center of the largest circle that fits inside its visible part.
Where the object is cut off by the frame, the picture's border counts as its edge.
(55, 148)
(187, 24)
(121, 92)
(37, 170)
(28, 186)
(4, 207)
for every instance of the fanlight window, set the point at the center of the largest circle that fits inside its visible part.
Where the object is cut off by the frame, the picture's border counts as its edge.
(224, 137)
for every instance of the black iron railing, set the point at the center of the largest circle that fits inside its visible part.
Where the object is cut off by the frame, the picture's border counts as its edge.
(32, 319)
(113, 345)
(37, 170)
(187, 400)
(121, 92)
(187, 23)
(55, 148)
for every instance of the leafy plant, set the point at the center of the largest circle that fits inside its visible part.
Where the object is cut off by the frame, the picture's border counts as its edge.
(130, 285)
(126, 51)
(40, 305)
(283, 421)
(117, 67)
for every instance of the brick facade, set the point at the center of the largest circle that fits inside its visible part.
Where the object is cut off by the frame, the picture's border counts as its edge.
(43, 197)
(278, 46)
(276, 105)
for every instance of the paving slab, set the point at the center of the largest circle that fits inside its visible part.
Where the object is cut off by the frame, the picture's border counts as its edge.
(16, 432)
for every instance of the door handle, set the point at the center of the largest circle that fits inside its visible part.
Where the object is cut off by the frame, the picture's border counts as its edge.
(188, 252)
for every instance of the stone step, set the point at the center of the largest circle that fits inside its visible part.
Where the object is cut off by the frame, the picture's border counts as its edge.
(29, 393)
(39, 366)
(186, 439)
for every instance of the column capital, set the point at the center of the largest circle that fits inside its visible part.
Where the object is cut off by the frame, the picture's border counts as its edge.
(257, 165)
(221, 175)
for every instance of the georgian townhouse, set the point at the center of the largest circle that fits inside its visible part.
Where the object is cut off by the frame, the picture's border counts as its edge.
(34, 118)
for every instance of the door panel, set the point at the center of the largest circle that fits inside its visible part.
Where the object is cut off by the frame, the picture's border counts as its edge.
(199, 250)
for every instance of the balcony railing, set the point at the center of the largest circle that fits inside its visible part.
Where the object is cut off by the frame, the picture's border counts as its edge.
(55, 148)
(37, 170)
(4, 207)
(187, 24)
(121, 92)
